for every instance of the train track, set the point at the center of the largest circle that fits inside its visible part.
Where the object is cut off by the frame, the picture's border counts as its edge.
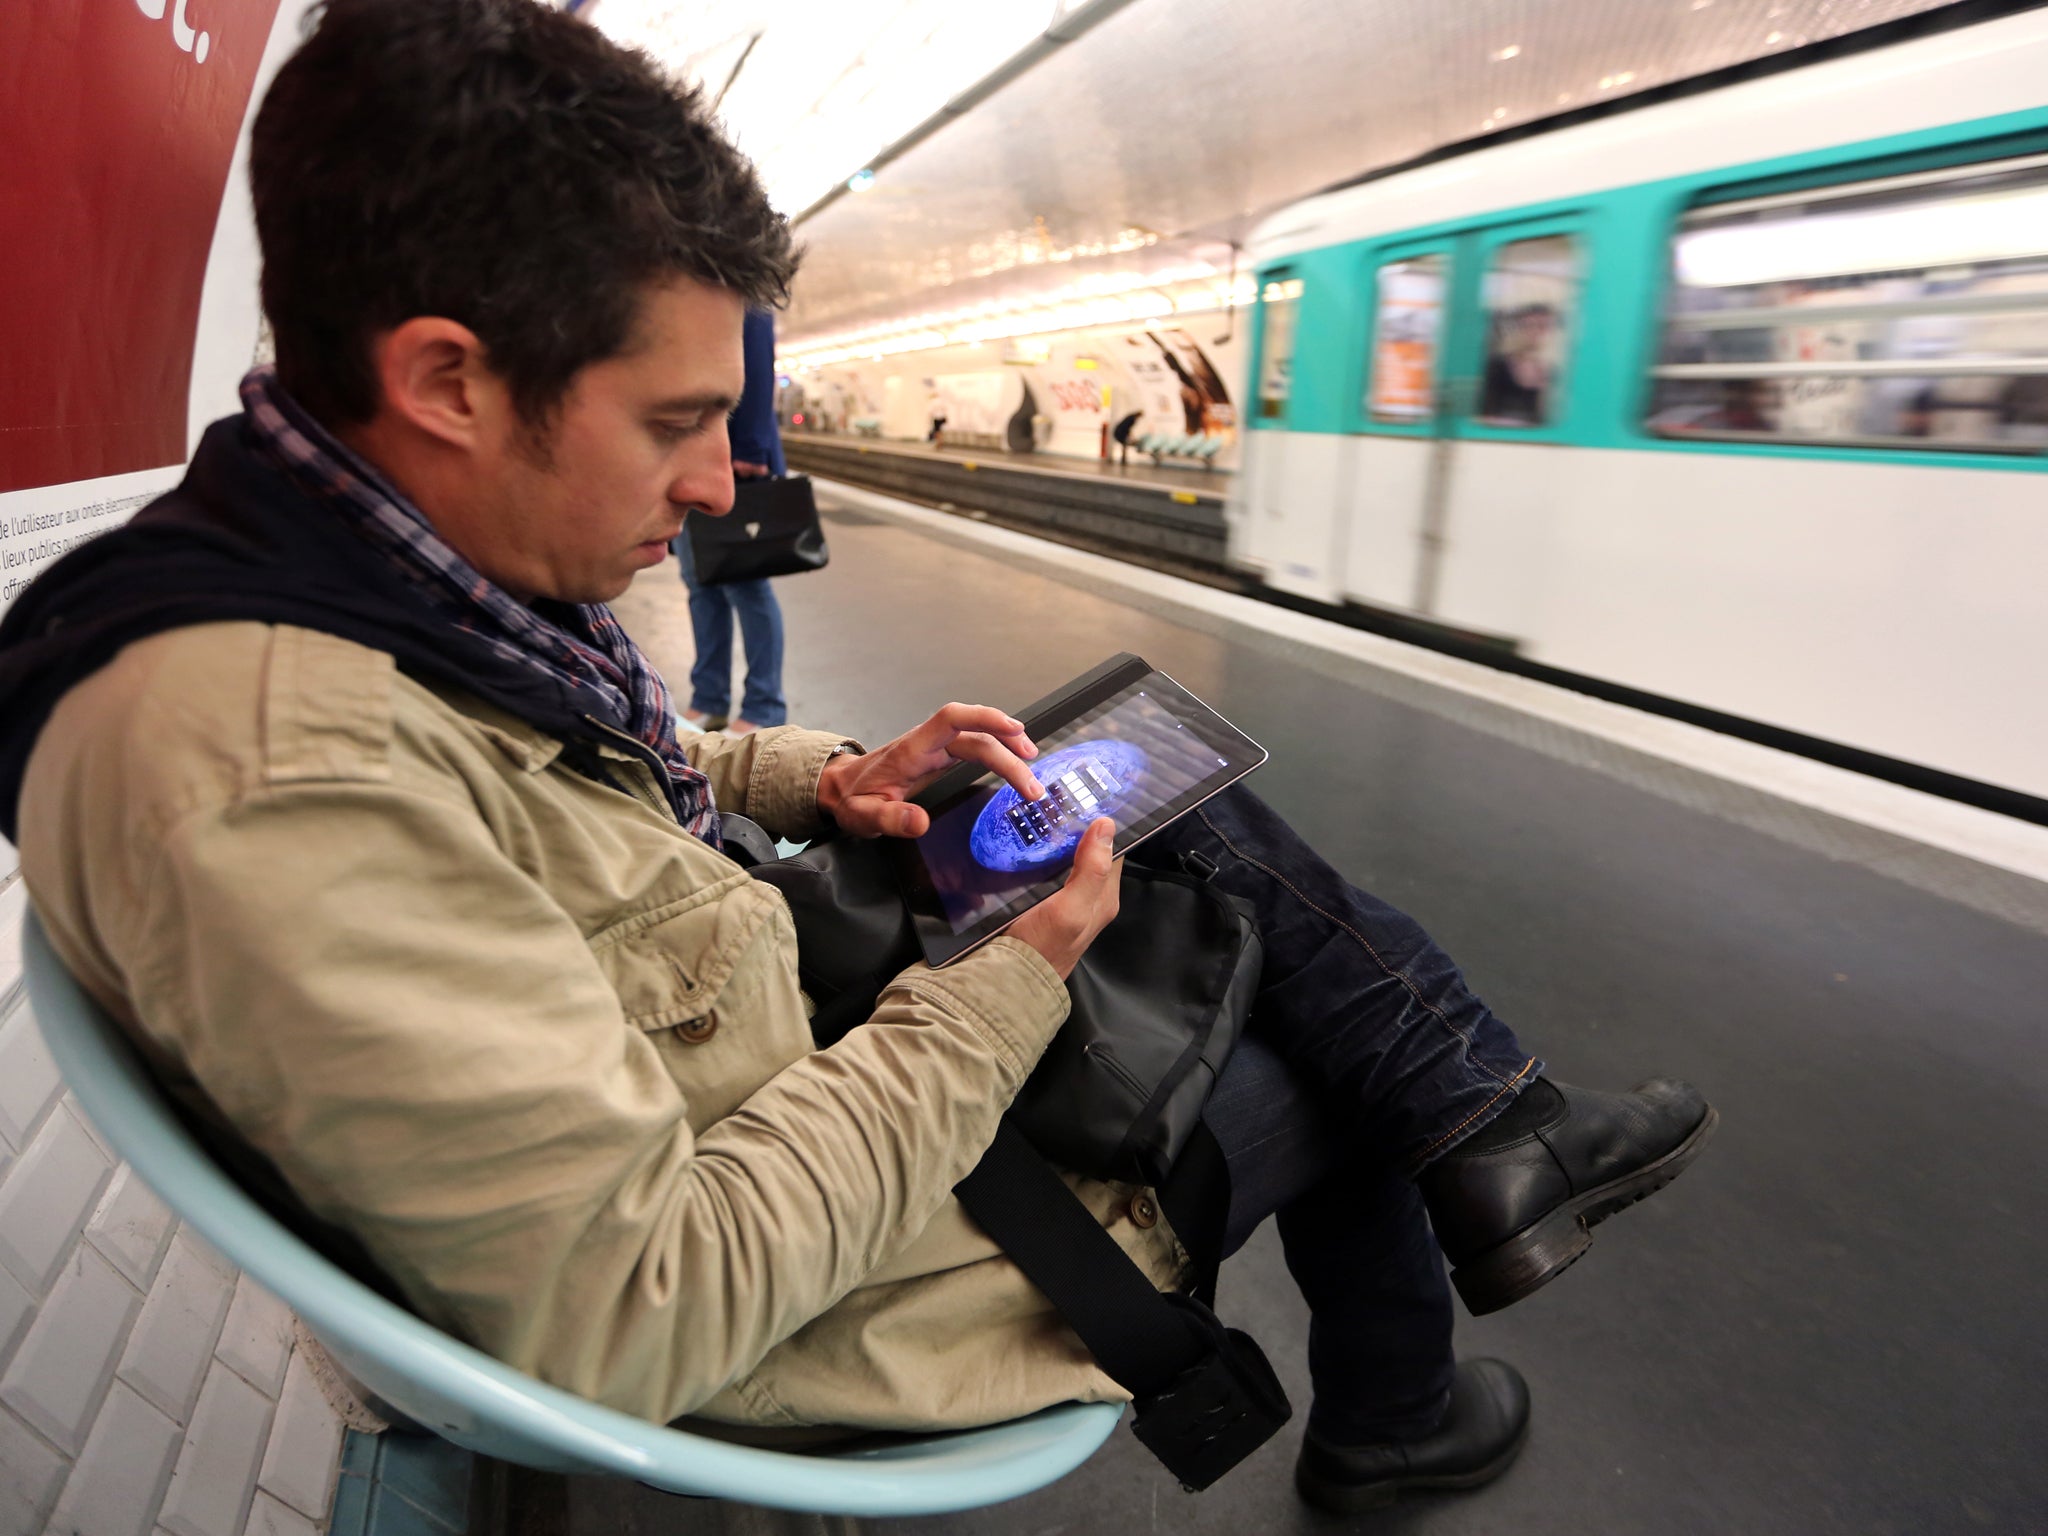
(1167, 527)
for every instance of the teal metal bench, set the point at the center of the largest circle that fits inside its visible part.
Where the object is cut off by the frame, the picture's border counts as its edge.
(1167, 445)
(485, 1406)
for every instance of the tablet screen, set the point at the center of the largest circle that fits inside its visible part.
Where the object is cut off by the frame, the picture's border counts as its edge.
(1135, 747)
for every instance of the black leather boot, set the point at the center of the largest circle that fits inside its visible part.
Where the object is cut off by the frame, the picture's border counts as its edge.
(1482, 1431)
(1513, 1205)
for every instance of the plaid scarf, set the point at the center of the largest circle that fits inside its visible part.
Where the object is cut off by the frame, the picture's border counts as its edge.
(585, 648)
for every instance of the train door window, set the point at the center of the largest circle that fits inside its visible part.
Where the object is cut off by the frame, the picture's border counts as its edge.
(1531, 299)
(1410, 295)
(1907, 312)
(1280, 309)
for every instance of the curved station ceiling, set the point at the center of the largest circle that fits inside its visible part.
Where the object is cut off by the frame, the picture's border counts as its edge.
(955, 163)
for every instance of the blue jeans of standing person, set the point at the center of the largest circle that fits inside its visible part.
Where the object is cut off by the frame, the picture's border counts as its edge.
(1367, 1057)
(712, 610)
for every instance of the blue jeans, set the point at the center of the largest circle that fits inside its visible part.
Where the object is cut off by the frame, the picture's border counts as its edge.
(712, 610)
(1367, 1058)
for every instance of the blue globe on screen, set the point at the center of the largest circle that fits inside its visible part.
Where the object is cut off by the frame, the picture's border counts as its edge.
(1082, 782)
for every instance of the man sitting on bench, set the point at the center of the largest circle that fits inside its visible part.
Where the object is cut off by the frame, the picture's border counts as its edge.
(334, 778)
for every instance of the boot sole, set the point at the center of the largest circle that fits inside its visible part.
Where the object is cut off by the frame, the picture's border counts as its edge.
(1356, 1498)
(1545, 1249)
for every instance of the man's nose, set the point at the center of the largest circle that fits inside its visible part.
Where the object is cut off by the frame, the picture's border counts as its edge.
(704, 482)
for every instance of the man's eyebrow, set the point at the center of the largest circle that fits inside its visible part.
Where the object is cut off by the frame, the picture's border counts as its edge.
(682, 405)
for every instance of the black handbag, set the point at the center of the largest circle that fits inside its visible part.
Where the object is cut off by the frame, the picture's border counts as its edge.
(772, 530)
(1159, 1001)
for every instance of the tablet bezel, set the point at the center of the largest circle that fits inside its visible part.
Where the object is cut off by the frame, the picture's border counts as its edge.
(1103, 685)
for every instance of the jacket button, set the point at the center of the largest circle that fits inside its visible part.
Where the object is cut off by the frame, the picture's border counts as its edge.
(1144, 1210)
(697, 1031)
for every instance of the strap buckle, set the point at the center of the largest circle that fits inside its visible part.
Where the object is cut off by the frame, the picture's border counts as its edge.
(1217, 1411)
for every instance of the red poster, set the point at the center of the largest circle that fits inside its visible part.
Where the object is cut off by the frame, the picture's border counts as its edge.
(119, 119)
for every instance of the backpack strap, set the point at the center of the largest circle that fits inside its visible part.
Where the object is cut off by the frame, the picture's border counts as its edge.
(1206, 1397)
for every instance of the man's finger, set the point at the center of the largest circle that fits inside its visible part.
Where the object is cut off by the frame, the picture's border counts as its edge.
(979, 747)
(1092, 859)
(936, 733)
(906, 820)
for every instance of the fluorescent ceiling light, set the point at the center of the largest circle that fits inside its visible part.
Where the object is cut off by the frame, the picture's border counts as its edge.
(1105, 300)
(812, 90)
(1990, 226)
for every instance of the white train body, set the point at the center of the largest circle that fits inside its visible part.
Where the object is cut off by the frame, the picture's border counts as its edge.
(1709, 517)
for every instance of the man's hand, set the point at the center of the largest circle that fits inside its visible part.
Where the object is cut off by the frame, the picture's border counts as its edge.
(1062, 926)
(867, 795)
(742, 470)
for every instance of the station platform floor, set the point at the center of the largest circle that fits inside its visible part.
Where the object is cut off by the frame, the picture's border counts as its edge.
(1832, 1323)
(1139, 471)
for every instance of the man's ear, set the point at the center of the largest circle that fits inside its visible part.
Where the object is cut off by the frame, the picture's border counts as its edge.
(433, 377)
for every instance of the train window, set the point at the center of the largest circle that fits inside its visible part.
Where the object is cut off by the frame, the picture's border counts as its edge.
(1408, 321)
(1531, 300)
(1280, 304)
(1905, 313)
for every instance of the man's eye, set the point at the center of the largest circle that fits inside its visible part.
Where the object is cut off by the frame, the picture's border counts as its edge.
(676, 431)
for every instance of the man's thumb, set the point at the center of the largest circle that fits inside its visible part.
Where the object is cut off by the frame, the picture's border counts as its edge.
(1092, 858)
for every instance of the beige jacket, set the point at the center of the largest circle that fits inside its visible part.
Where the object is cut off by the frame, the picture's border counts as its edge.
(543, 1051)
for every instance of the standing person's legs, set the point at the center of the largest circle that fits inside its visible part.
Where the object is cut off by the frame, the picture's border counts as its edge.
(760, 616)
(711, 627)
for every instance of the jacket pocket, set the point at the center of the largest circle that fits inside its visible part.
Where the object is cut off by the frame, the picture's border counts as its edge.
(710, 980)
(669, 964)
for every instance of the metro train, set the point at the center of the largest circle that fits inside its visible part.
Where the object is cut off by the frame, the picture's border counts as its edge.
(1737, 400)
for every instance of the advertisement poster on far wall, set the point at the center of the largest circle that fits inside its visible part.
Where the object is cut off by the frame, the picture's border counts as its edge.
(1184, 393)
(1061, 395)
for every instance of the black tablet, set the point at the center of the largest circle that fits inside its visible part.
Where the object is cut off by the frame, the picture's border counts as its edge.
(1124, 741)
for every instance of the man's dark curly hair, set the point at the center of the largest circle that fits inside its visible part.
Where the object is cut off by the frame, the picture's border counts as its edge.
(498, 163)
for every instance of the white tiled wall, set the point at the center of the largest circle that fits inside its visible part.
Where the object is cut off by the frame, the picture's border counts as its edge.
(146, 1389)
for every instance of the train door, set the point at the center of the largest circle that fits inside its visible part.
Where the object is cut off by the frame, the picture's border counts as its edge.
(1399, 450)
(1283, 519)
(1470, 342)
(1514, 482)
